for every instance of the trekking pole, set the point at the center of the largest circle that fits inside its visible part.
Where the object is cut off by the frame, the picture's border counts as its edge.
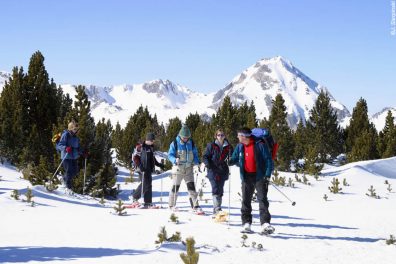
(162, 162)
(229, 190)
(142, 184)
(273, 185)
(59, 166)
(85, 173)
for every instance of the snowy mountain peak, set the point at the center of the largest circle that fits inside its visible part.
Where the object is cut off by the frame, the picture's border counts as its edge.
(268, 77)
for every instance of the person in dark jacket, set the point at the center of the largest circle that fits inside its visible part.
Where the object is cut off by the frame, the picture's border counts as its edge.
(215, 159)
(255, 167)
(147, 167)
(69, 146)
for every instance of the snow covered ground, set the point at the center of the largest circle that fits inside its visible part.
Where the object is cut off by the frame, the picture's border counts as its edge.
(348, 228)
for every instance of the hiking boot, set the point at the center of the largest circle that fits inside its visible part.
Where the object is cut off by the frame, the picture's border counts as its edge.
(267, 229)
(247, 227)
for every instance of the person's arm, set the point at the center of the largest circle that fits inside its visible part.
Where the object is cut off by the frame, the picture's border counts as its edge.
(234, 160)
(269, 164)
(62, 144)
(172, 155)
(207, 156)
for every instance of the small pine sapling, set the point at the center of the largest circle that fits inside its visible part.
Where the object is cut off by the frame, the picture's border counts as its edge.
(297, 178)
(162, 235)
(335, 188)
(305, 180)
(244, 237)
(173, 218)
(15, 194)
(372, 193)
(175, 237)
(391, 240)
(325, 197)
(191, 257)
(253, 244)
(119, 208)
(290, 183)
(389, 188)
(260, 247)
(386, 182)
(29, 195)
(344, 182)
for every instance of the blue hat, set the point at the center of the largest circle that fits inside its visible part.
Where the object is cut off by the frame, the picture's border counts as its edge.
(185, 132)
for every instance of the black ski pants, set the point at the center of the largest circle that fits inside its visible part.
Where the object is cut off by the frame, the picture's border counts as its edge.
(147, 188)
(249, 184)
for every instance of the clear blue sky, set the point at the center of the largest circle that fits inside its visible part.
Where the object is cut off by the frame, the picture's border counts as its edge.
(202, 44)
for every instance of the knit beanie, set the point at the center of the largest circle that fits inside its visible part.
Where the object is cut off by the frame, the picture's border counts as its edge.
(185, 132)
(150, 136)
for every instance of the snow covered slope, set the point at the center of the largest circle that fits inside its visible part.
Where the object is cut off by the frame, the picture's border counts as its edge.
(349, 227)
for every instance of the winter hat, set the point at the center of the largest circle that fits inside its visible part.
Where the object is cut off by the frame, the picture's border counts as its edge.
(150, 136)
(245, 131)
(185, 132)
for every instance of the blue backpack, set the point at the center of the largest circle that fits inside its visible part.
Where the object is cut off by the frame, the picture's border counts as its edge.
(265, 135)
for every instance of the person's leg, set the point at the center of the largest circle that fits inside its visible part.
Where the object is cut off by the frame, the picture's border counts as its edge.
(247, 194)
(176, 180)
(262, 198)
(189, 179)
(217, 192)
(148, 191)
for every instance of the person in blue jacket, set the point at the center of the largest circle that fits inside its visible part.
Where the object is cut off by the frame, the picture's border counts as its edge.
(255, 164)
(69, 146)
(183, 155)
(215, 159)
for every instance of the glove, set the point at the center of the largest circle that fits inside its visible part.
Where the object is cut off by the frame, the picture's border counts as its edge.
(177, 161)
(217, 177)
(202, 166)
(68, 149)
(162, 167)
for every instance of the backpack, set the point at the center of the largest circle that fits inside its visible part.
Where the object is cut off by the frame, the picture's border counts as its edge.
(265, 135)
(136, 156)
(56, 138)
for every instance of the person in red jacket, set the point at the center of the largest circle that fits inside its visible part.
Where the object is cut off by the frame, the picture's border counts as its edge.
(255, 167)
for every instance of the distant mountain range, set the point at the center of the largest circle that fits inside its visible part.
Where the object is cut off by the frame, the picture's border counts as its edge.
(259, 83)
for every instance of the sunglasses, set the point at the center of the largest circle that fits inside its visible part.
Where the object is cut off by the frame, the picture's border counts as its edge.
(220, 135)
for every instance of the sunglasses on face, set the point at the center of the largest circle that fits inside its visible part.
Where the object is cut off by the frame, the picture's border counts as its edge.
(220, 135)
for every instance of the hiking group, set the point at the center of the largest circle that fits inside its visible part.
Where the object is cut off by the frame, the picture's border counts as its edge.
(253, 155)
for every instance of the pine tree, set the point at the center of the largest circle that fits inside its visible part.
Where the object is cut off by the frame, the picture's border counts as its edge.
(14, 121)
(42, 94)
(116, 136)
(135, 131)
(105, 179)
(191, 257)
(388, 137)
(120, 208)
(361, 135)
(281, 132)
(301, 140)
(227, 118)
(327, 135)
(40, 174)
(172, 131)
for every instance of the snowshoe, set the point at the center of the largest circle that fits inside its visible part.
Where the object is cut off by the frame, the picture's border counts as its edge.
(267, 229)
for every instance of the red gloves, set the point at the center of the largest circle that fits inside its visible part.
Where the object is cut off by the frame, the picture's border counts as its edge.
(68, 149)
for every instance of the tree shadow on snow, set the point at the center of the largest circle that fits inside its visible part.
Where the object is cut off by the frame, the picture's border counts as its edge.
(42, 254)
(354, 239)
